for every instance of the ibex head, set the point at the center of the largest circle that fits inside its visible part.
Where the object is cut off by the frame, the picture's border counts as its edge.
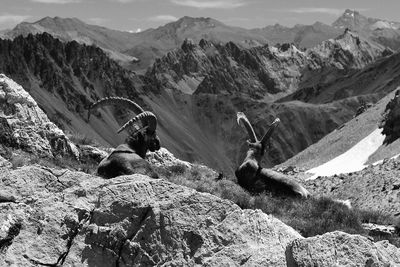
(141, 128)
(258, 146)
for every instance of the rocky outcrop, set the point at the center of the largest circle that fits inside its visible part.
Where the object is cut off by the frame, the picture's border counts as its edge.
(62, 217)
(24, 125)
(377, 187)
(341, 249)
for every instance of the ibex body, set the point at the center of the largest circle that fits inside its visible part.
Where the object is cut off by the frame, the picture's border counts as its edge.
(253, 177)
(128, 158)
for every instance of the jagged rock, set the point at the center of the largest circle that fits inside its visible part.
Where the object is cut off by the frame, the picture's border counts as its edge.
(342, 249)
(390, 122)
(164, 158)
(71, 218)
(24, 125)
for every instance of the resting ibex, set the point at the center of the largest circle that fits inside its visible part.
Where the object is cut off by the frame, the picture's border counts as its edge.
(128, 158)
(256, 179)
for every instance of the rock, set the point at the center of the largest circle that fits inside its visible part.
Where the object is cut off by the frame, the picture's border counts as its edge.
(24, 125)
(164, 158)
(4, 163)
(390, 122)
(88, 152)
(381, 195)
(71, 218)
(379, 230)
(342, 249)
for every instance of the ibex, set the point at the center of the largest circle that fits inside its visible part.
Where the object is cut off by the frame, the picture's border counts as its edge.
(128, 158)
(252, 176)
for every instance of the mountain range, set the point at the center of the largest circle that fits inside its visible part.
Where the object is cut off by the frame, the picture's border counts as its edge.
(137, 51)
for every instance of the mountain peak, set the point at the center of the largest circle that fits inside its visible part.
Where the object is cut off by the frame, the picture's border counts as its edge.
(351, 19)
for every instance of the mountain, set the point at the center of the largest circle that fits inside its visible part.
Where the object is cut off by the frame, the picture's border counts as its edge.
(381, 31)
(130, 48)
(73, 29)
(263, 72)
(304, 36)
(154, 43)
(352, 19)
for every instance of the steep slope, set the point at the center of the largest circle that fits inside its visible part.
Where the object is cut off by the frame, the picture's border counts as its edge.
(344, 138)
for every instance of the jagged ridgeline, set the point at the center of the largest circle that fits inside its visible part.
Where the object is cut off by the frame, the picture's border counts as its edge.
(195, 92)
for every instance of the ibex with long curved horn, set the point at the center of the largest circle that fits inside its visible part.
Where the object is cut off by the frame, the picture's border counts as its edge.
(128, 158)
(257, 179)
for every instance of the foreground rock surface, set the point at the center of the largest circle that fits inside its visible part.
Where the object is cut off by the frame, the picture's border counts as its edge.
(341, 249)
(60, 217)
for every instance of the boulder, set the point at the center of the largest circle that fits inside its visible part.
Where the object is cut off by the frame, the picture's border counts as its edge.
(62, 217)
(341, 249)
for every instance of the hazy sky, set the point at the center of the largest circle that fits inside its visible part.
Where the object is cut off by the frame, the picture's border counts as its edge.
(131, 15)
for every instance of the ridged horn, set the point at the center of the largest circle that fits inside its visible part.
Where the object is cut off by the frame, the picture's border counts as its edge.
(147, 118)
(124, 102)
(270, 130)
(244, 122)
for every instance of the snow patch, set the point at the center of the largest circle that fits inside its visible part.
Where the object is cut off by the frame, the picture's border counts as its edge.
(353, 159)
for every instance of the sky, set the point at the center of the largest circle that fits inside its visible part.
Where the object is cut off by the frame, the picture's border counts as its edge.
(137, 15)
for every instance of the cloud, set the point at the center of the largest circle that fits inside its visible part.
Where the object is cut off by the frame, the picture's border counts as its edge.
(10, 20)
(56, 1)
(163, 18)
(324, 10)
(222, 4)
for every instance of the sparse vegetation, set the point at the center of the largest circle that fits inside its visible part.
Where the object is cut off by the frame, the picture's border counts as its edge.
(310, 217)
(19, 158)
